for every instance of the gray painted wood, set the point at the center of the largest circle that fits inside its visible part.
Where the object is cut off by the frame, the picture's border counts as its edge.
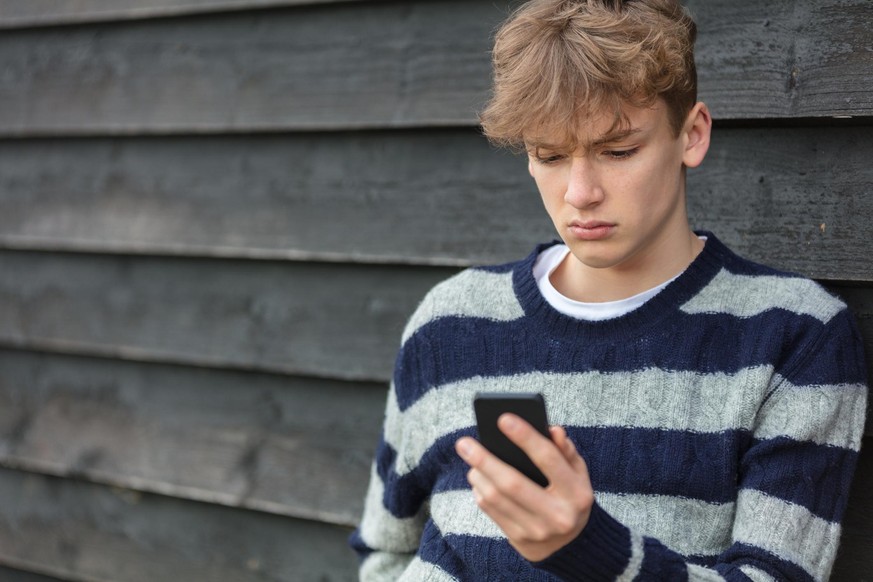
(13, 575)
(336, 321)
(331, 66)
(795, 198)
(80, 531)
(785, 58)
(328, 320)
(441, 196)
(290, 446)
(389, 64)
(26, 13)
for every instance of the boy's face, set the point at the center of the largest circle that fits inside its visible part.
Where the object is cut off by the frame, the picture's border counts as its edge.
(618, 200)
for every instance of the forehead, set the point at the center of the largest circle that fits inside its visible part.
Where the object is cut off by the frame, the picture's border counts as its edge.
(589, 129)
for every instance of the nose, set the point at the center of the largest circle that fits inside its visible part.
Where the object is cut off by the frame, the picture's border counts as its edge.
(583, 185)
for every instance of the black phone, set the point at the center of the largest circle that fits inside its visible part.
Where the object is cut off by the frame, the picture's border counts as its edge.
(530, 406)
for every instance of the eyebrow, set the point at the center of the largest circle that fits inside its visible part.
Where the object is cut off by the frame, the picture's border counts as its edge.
(615, 136)
(610, 137)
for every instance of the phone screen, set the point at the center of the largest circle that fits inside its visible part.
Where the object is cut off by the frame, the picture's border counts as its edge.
(531, 407)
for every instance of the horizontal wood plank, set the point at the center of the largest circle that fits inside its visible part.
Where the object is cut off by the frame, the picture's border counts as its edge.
(28, 13)
(79, 531)
(82, 531)
(342, 66)
(327, 320)
(785, 58)
(287, 446)
(390, 64)
(435, 197)
(337, 321)
(794, 198)
(284, 445)
(14, 575)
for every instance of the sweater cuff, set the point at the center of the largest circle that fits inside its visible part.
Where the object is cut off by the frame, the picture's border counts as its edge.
(601, 552)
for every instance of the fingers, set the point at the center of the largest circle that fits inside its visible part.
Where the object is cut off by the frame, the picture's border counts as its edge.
(555, 458)
(568, 449)
(510, 480)
(512, 517)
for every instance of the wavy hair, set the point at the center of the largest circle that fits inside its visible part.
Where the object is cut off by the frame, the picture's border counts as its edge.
(557, 62)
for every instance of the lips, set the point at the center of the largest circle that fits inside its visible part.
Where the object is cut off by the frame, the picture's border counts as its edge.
(591, 229)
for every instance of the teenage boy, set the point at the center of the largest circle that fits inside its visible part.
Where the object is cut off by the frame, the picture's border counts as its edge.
(709, 410)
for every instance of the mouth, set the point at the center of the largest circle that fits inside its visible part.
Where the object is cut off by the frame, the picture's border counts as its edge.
(591, 229)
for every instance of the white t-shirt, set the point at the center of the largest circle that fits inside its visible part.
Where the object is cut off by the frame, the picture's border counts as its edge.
(549, 260)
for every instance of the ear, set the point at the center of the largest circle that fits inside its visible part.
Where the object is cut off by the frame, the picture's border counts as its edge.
(696, 134)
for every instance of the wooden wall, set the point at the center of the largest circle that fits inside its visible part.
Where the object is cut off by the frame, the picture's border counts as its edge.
(215, 216)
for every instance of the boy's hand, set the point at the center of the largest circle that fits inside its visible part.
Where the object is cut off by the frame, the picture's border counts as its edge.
(537, 521)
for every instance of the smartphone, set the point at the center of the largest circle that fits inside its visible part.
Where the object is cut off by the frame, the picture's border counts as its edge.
(531, 407)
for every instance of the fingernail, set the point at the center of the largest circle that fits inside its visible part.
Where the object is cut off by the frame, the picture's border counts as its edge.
(464, 448)
(509, 422)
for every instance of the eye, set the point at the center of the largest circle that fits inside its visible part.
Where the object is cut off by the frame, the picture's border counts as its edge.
(548, 160)
(620, 154)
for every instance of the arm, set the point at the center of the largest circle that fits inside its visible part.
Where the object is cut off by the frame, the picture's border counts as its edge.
(391, 526)
(792, 486)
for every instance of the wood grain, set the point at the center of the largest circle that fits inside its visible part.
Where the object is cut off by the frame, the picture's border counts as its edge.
(290, 446)
(334, 321)
(390, 64)
(795, 198)
(14, 575)
(80, 531)
(28, 13)
(321, 67)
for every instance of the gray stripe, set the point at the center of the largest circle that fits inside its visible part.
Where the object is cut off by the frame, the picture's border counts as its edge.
(456, 512)
(380, 530)
(384, 567)
(700, 574)
(636, 559)
(421, 571)
(745, 296)
(827, 415)
(686, 526)
(787, 530)
(756, 575)
(654, 398)
(471, 293)
(649, 399)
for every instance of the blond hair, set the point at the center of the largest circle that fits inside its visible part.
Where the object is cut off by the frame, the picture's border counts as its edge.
(558, 61)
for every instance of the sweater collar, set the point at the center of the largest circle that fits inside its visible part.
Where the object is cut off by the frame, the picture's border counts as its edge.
(654, 312)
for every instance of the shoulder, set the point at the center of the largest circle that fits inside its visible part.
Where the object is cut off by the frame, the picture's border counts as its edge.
(744, 288)
(486, 292)
(483, 292)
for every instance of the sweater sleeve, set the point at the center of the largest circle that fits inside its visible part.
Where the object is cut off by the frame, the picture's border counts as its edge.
(394, 510)
(792, 487)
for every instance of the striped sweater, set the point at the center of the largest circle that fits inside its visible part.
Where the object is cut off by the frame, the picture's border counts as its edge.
(721, 423)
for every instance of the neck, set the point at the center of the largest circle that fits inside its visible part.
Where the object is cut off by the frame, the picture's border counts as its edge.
(659, 262)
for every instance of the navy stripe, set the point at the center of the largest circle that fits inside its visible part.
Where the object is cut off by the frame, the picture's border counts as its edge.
(476, 558)
(804, 473)
(357, 544)
(403, 495)
(840, 353)
(661, 563)
(450, 349)
(699, 466)
(743, 554)
(662, 462)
